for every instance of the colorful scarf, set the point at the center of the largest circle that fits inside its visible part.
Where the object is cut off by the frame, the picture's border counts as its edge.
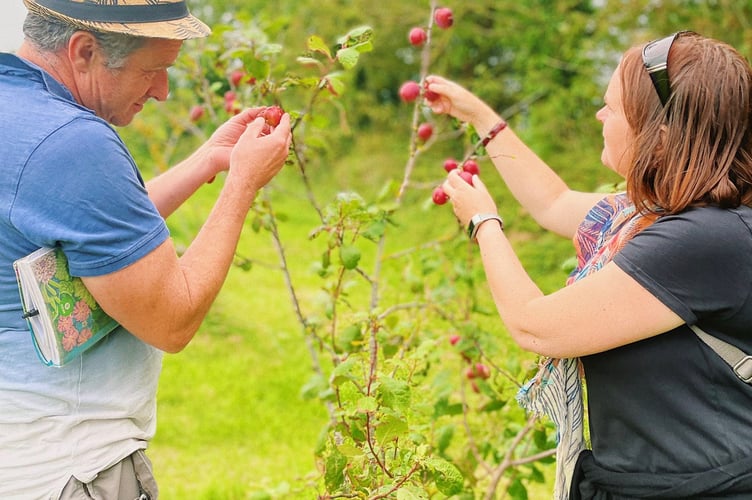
(556, 390)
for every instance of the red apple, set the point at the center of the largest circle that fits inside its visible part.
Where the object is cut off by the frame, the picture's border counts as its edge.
(409, 91)
(417, 36)
(471, 166)
(197, 112)
(467, 176)
(439, 196)
(453, 339)
(443, 17)
(236, 77)
(231, 102)
(425, 131)
(482, 371)
(272, 115)
(450, 164)
(430, 95)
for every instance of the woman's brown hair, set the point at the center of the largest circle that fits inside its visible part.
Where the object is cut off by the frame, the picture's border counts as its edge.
(697, 149)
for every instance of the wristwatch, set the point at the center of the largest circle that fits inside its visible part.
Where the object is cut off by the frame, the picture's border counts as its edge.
(477, 220)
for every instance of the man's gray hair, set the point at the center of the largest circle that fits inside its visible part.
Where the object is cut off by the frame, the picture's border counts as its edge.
(49, 34)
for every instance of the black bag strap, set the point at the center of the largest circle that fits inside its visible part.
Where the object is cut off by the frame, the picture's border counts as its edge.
(737, 359)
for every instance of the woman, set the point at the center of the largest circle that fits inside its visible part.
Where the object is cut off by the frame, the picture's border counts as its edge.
(668, 417)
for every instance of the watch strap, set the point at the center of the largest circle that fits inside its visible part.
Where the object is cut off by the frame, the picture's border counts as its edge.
(477, 220)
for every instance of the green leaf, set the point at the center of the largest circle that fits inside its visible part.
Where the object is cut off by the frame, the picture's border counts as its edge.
(367, 404)
(448, 478)
(310, 61)
(348, 57)
(444, 437)
(409, 492)
(349, 256)
(349, 338)
(444, 408)
(315, 385)
(517, 490)
(317, 44)
(362, 36)
(394, 393)
(375, 230)
(390, 428)
(350, 450)
(344, 371)
(335, 470)
(335, 85)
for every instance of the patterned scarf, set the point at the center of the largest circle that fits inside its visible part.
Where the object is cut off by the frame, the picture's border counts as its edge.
(556, 390)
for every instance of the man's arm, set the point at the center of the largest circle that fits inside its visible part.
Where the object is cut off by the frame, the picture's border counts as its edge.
(162, 299)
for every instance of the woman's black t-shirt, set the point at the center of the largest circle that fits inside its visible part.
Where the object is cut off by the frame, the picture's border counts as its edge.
(669, 404)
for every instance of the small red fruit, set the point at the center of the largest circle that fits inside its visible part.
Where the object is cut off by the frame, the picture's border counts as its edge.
(425, 131)
(430, 95)
(273, 114)
(197, 112)
(470, 373)
(453, 339)
(439, 196)
(450, 164)
(443, 17)
(467, 176)
(417, 36)
(409, 91)
(236, 77)
(482, 371)
(231, 102)
(471, 166)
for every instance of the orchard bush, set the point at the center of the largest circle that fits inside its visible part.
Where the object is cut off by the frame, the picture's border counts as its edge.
(407, 353)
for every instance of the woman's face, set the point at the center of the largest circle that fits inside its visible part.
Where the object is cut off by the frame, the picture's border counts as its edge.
(617, 135)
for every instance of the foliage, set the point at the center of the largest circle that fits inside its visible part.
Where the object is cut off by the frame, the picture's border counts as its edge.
(409, 361)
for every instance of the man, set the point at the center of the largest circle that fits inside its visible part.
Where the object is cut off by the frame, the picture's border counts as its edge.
(79, 431)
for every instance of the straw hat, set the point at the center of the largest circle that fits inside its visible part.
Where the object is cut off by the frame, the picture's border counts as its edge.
(145, 18)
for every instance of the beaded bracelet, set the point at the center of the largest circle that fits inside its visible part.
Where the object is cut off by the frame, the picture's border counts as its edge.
(494, 132)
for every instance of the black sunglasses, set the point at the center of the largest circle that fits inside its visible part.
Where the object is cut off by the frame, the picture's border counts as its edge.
(655, 59)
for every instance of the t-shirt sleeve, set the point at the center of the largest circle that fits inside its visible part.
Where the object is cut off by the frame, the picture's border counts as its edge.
(695, 262)
(81, 189)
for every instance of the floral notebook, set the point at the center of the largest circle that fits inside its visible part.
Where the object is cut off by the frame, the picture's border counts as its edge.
(63, 317)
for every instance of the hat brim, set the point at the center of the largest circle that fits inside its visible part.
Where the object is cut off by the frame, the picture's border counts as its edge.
(184, 28)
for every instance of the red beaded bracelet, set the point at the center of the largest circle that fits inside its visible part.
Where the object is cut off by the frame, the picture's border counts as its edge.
(494, 132)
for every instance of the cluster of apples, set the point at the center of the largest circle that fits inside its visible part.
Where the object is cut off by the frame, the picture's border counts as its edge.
(272, 114)
(475, 370)
(412, 90)
(443, 17)
(468, 169)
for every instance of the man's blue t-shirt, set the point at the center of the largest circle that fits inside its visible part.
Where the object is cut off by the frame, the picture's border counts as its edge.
(68, 180)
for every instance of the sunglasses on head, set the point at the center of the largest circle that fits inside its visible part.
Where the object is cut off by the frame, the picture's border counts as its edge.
(655, 59)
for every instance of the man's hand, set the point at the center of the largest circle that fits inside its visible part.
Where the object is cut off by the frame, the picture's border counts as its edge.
(258, 156)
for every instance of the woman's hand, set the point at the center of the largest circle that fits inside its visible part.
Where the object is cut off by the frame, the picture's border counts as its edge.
(457, 101)
(468, 200)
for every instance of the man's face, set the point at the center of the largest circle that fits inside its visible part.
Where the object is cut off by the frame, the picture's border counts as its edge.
(116, 95)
